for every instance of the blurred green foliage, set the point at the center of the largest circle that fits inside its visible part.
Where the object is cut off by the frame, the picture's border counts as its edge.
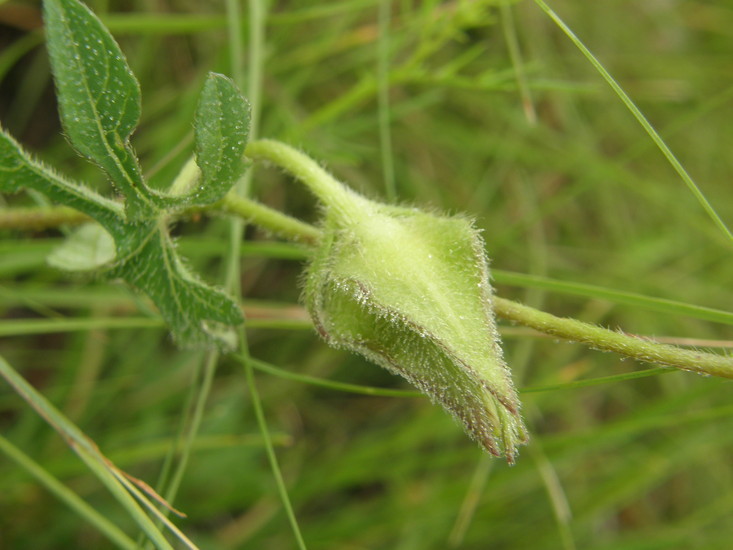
(582, 195)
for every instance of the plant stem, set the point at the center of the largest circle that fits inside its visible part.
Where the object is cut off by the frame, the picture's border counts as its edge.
(85, 449)
(641, 119)
(245, 209)
(269, 218)
(328, 189)
(66, 495)
(39, 218)
(385, 134)
(609, 340)
(36, 219)
(257, 23)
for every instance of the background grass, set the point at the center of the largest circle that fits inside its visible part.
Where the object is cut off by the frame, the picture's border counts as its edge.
(566, 186)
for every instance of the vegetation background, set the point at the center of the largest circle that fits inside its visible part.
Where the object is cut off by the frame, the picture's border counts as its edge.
(492, 111)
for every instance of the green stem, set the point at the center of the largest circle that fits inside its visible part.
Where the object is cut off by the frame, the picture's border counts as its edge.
(385, 134)
(327, 188)
(39, 218)
(257, 24)
(609, 340)
(66, 495)
(515, 54)
(186, 179)
(641, 119)
(269, 218)
(85, 449)
(36, 219)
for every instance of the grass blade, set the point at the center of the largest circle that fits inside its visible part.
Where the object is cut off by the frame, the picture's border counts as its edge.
(643, 121)
(67, 496)
(660, 305)
(86, 450)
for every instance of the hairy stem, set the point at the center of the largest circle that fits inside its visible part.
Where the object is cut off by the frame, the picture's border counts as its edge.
(328, 189)
(609, 340)
(269, 218)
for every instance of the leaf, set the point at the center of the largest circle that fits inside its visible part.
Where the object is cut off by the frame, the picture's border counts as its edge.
(221, 128)
(88, 247)
(18, 171)
(99, 98)
(100, 107)
(195, 312)
(146, 256)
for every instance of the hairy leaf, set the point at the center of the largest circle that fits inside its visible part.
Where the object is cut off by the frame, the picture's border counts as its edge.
(221, 128)
(100, 107)
(99, 98)
(146, 258)
(195, 311)
(18, 170)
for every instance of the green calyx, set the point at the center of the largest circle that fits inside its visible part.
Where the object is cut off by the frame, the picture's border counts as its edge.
(410, 291)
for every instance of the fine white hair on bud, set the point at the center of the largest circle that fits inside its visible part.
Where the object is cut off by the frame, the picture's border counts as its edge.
(410, 291)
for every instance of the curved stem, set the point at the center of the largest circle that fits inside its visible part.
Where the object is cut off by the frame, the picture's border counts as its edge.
(641, 119)
(328, 189)
(66, 495)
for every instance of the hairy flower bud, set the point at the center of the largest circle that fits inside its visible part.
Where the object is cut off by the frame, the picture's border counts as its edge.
(410, 291)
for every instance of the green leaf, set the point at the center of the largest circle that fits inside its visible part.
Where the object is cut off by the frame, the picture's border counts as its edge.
(146, 258)
(18, 171)
(99, 98)
(221, 128)
(88, 247)
(100, 107)
(196, 312)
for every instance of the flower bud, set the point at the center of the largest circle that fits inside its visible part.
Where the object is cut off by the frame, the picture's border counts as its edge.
(410, 291)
